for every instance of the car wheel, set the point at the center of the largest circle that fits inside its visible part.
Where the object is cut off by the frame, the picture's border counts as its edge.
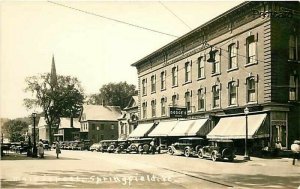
(200, 154)
(187, 152)
(170, 151)
(214, 156)
(230, 159)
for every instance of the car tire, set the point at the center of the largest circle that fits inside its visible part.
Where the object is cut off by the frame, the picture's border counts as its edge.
(170, 151)
(187, 153)
(214, 156)
(230, 159)
(200, 154)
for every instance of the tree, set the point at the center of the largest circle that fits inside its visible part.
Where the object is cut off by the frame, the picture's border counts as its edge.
(113, 94)
(62, 98)
(15, 130)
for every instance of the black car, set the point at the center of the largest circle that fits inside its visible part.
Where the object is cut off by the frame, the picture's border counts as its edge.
(122, 146)
(187, 146)
(104, 144)
(141, 145)
(112, 146)
(218, 150)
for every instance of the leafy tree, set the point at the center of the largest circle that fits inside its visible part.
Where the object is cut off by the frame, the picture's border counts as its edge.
(62, 98)
(113, 94)
(15, 130)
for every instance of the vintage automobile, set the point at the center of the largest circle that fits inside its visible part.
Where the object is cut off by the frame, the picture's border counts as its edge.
(104, 144)
(218, 150)
(112, 146)
(122, 146)
(95, 147)
(187, 146)
(141, 145)
(46, 144)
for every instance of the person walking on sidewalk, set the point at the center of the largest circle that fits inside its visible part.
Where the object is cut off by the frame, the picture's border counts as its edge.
(57, 149)
(41, 149)
(296, 150)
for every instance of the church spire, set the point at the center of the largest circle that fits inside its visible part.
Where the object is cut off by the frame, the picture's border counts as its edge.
(53, 76)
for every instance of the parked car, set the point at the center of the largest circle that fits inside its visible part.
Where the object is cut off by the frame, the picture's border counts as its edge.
(104, 144)
(187, 146)
(141, 145)
(218, 150)
(112, 146)
(122, 146)
(46, 144)
(95, 147)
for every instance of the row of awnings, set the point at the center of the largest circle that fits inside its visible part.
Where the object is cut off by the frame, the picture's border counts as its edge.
(227, 128)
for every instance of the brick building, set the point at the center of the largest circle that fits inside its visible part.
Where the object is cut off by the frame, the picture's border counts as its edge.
(256, 66)
(99, 122)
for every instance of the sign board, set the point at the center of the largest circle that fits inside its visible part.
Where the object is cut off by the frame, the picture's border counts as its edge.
(176, 112)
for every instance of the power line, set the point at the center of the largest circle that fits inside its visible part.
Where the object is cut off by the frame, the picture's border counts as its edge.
(175, 15)
(112, 19)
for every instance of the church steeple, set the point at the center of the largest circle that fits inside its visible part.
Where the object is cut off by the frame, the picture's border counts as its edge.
(53, 76)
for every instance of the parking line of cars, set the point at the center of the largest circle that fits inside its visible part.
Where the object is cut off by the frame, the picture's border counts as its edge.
(187, 146)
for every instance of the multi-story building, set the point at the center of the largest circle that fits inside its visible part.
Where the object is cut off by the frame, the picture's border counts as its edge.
(255, 51)
(99, 122)
(128, 120)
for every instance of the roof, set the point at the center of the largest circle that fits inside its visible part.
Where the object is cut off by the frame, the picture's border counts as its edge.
(132, 103)
(101, 113)
(42, 122)
(191, 138)
(66, 123)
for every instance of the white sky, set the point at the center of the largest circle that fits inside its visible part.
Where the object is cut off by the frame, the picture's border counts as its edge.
(95, 50)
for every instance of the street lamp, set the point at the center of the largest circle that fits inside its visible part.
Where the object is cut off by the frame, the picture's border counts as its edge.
(34, 149)
(246, 156)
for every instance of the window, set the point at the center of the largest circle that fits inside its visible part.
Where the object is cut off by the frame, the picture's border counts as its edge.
(153, 108)
(293, 88)
(153, 83)
(216, 64)
(144, 86)
(201, 70)
(232, 56)
(293, 47)
(163, 106)
(163, 80)
(112, 127)
(174, 76)
(188, 101)
(187, 68)
(144, 109)
(251, 94)
(216, 96)
(174, 100)
(102, 126)
(232, 92)
(201, 99)
(98, 128)
(251, 50)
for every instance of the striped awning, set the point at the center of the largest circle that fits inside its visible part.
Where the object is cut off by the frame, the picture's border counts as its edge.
(196, 127)
(163, 128)
(235, 127)
(142, 130)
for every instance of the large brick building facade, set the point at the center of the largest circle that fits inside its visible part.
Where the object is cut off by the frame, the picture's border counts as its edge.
(256, 66)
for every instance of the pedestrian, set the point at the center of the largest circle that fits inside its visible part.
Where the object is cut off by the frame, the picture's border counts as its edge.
(40, 149)
(57, 149)
(296, 150)
(278, 148)
(152, 146)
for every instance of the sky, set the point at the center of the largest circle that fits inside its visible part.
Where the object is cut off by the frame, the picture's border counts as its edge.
(95, 50)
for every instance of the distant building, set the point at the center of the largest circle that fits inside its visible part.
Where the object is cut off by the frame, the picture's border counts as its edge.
(128, 120)
(68, 130)
(43, 129)
(99, 122)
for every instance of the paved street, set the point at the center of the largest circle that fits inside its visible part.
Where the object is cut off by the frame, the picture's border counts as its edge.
(83, 169)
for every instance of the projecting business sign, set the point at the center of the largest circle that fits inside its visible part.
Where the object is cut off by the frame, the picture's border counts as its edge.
(178, 112)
